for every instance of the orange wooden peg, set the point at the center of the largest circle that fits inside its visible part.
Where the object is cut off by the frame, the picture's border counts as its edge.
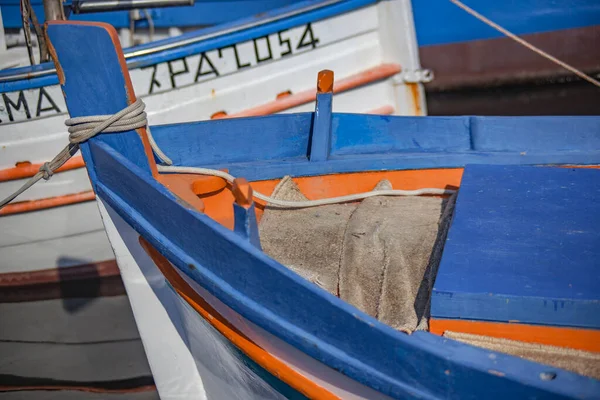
(325, 81)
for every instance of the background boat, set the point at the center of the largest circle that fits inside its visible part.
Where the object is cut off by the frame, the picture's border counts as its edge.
(137, 26)
(256, 66)
(480, 71)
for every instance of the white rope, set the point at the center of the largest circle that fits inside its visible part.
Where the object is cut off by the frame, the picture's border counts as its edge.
(525, 43)
(82, 129)
(133, 117)
(306, 203)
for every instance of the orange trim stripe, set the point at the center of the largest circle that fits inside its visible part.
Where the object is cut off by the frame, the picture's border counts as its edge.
(28, 170)
(62, 274)
(378, 73)
(50, 202)
(574, 338)
(273, 365)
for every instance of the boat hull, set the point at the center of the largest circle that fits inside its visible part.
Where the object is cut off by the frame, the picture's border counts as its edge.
(189, 355)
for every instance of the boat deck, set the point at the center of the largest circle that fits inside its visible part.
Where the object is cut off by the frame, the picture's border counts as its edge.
(523, 248)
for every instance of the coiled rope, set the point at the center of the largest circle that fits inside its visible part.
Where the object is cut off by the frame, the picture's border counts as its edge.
(132, 117)
(82, 129)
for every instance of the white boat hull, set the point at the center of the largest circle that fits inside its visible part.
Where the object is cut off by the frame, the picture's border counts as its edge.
(188, 357)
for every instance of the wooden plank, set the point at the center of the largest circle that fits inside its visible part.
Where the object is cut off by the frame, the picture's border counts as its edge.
(268, 148)
(321, 133)
(74, 289)
(320, 139)
(523, 247)
(535, 134)
(357, 134)
(211, 142)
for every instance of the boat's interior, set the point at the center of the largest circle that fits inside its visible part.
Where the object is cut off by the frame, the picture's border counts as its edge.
(508, 263)
(382, 254)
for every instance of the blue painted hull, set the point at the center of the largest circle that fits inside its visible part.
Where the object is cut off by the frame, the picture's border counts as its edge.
(437, 21)
(204, 12)
(441, 22)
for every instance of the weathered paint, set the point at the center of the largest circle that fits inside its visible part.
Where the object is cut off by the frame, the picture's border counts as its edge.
(53, 275)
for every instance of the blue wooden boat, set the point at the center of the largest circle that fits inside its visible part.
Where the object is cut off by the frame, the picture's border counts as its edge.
(221, 317)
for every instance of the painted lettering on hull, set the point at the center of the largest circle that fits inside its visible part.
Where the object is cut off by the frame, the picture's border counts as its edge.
(230, 59)
(169, 75)
(31, 104)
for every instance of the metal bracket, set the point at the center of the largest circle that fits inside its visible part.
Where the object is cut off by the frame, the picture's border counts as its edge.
(422, 75)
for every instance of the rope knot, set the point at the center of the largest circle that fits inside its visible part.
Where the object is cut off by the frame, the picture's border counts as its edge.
(82, 129)
(47, 170)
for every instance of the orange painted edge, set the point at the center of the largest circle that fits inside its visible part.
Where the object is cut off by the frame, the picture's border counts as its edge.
(256, 353)
(50, 202)
(131, 98)
(574, 338)
(27, 171)
(374, 74)
(101, 269)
